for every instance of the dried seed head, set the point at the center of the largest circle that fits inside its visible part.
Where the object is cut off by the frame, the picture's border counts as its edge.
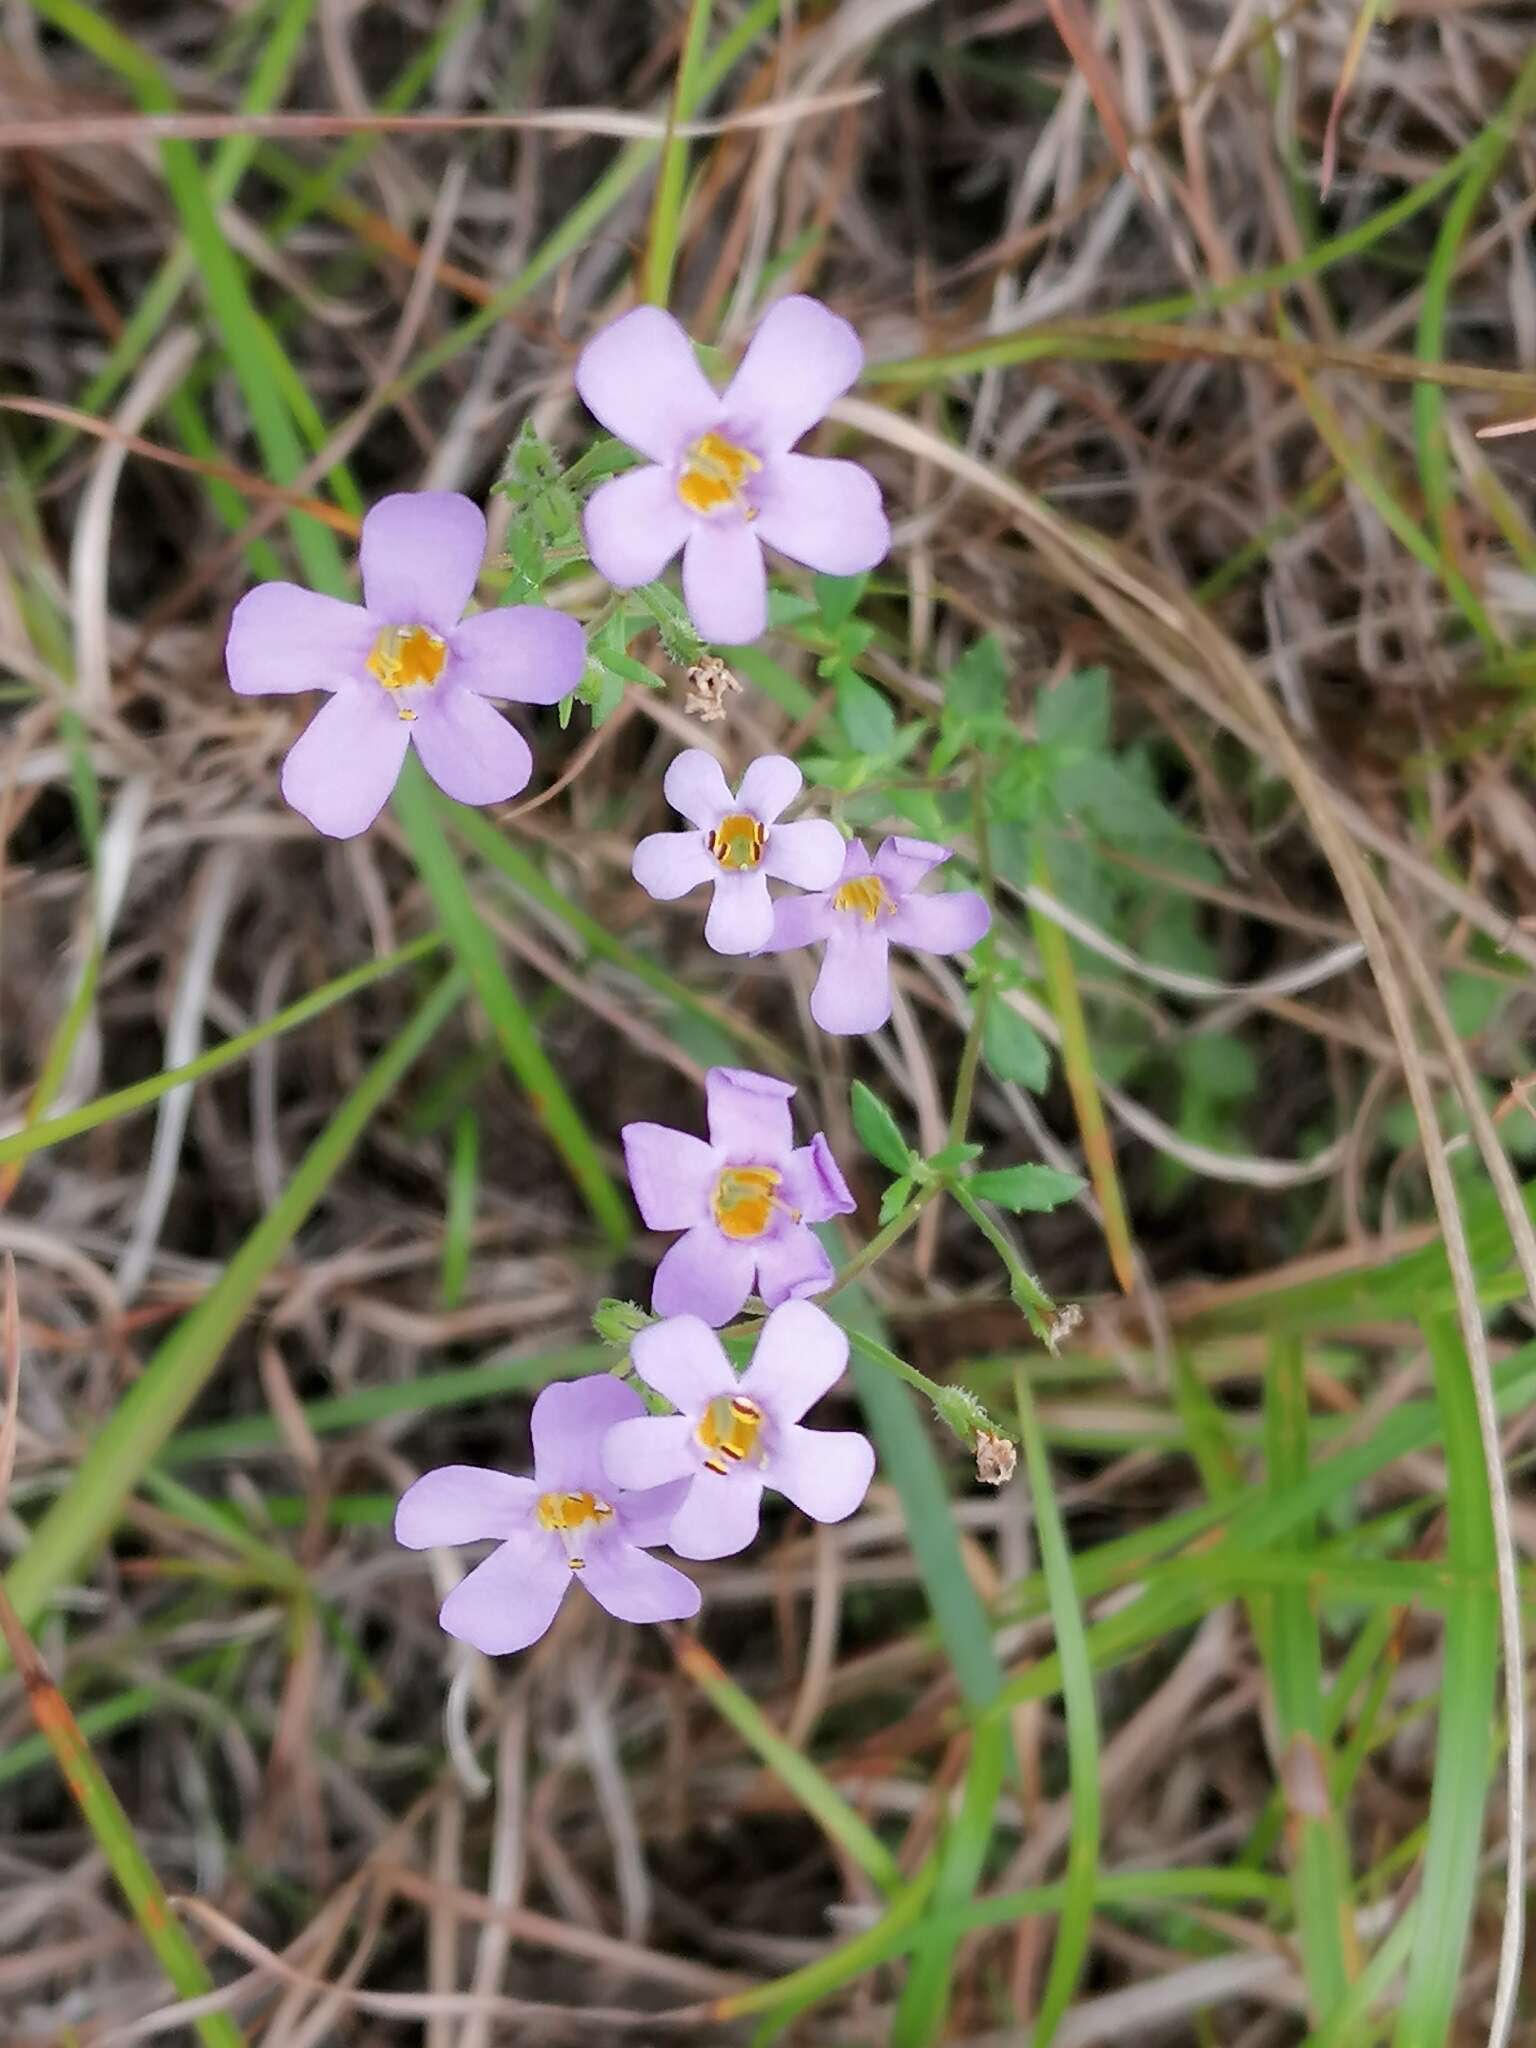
(996, 1459)
(709, 684)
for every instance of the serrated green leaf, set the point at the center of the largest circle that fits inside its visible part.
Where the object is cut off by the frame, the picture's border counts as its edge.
(837, 597)
(1074, 716)
(864, 713)
(1014, 1049)
(878, 1130)
(976, 687)
(1026, 1187)
(959, 1154)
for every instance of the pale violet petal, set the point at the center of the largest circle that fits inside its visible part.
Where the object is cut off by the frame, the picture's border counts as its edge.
(341, 769)
(283, 639)
(569, 1421)
(823, 513)
(949, 923)
(671, 1173)
(634, 1586)
(769, 787)
(668, 864)
(684, 1361)
(824, 1472)
(462, 1504)
(791, 1265)
(724, 581)
(650, 1453)
(853, 990)
(470, 751)
(695, 785)
(904, 862)
(740, 916)
(807, 852)
(719, 1516)
(524, 653)
(800, 1354)
(705, 1274)
(749, 1120)
(802, 357)
(813, 1183)
(421, 554)
(634, 525)
(641, 379)
(509, 1601)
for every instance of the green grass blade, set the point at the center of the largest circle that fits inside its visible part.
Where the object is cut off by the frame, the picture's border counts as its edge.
(1324, 1913)
(84, 1514)
(1074, 1927)
(417, 805)
(924, 2003)
(122, 1102)
(1469, 1663)
(667, 208)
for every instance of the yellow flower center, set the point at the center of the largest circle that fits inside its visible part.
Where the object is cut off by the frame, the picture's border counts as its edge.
(737, 841)
(714, 473)
(744, 1201)
(407, 658)
(866, 894)
(566, 1515)
(728, 1429)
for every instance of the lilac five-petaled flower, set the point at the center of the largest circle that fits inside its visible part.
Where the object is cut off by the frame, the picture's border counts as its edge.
(569, 1522)
(721, 479)
(733, 1436)
(404, 667)
(737, 844)
(744, 1202)
(873, 905)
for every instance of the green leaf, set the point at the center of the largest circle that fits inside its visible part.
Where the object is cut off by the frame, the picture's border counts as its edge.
(864, 713)
(837, 597)
(1026, 1187)
(895, 1198)
(961, 1153)
(977, 686)
(1014, 1049)
(878, 1130)
(1075, 715)
(616, 1322)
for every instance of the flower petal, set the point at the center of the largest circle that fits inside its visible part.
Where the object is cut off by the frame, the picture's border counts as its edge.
(800, 1354)
(740, 916)
(704, 1274)
(904, 862)
(653, 1453)
(941, 924)
(853, 990)
(808, 852)
(569, 1421)
(635, 525)
(724, 581)
(791, 1264)
(749, 1120)
(523, 652)
(641, 378)
(283, 638)
(825, 1472)
(341, 769)
(635, 1587)
(720, 1515)
(695, 784)
(671, 1174)
(509, 1601)
(683, 1360)
(460, 1504)
(645, 1517)
(799, 921)
(801, 358)
(668, 864)
(769, 787)
(421, 554)
(814, 1184)
(824, 513)
(470, 751)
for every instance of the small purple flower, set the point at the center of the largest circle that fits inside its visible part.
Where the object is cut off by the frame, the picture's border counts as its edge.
(737, 844)
(569, 1521)
(721, 480)
(744, 1202)
(404, 667)
(871, 906)
(732, 1437)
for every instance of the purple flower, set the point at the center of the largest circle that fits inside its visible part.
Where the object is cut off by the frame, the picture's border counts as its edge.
(732, 1437)
(738, 843)
(872, 905)
(568, 1522)
(721, 480)
(745, 1201)
(404, 666)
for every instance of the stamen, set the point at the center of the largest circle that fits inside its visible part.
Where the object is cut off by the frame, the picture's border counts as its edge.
(407, 658)
(867, 895)
(713, 476)
(729, 1429)
(566, 1515)
(737, 841)
(744, 1200)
